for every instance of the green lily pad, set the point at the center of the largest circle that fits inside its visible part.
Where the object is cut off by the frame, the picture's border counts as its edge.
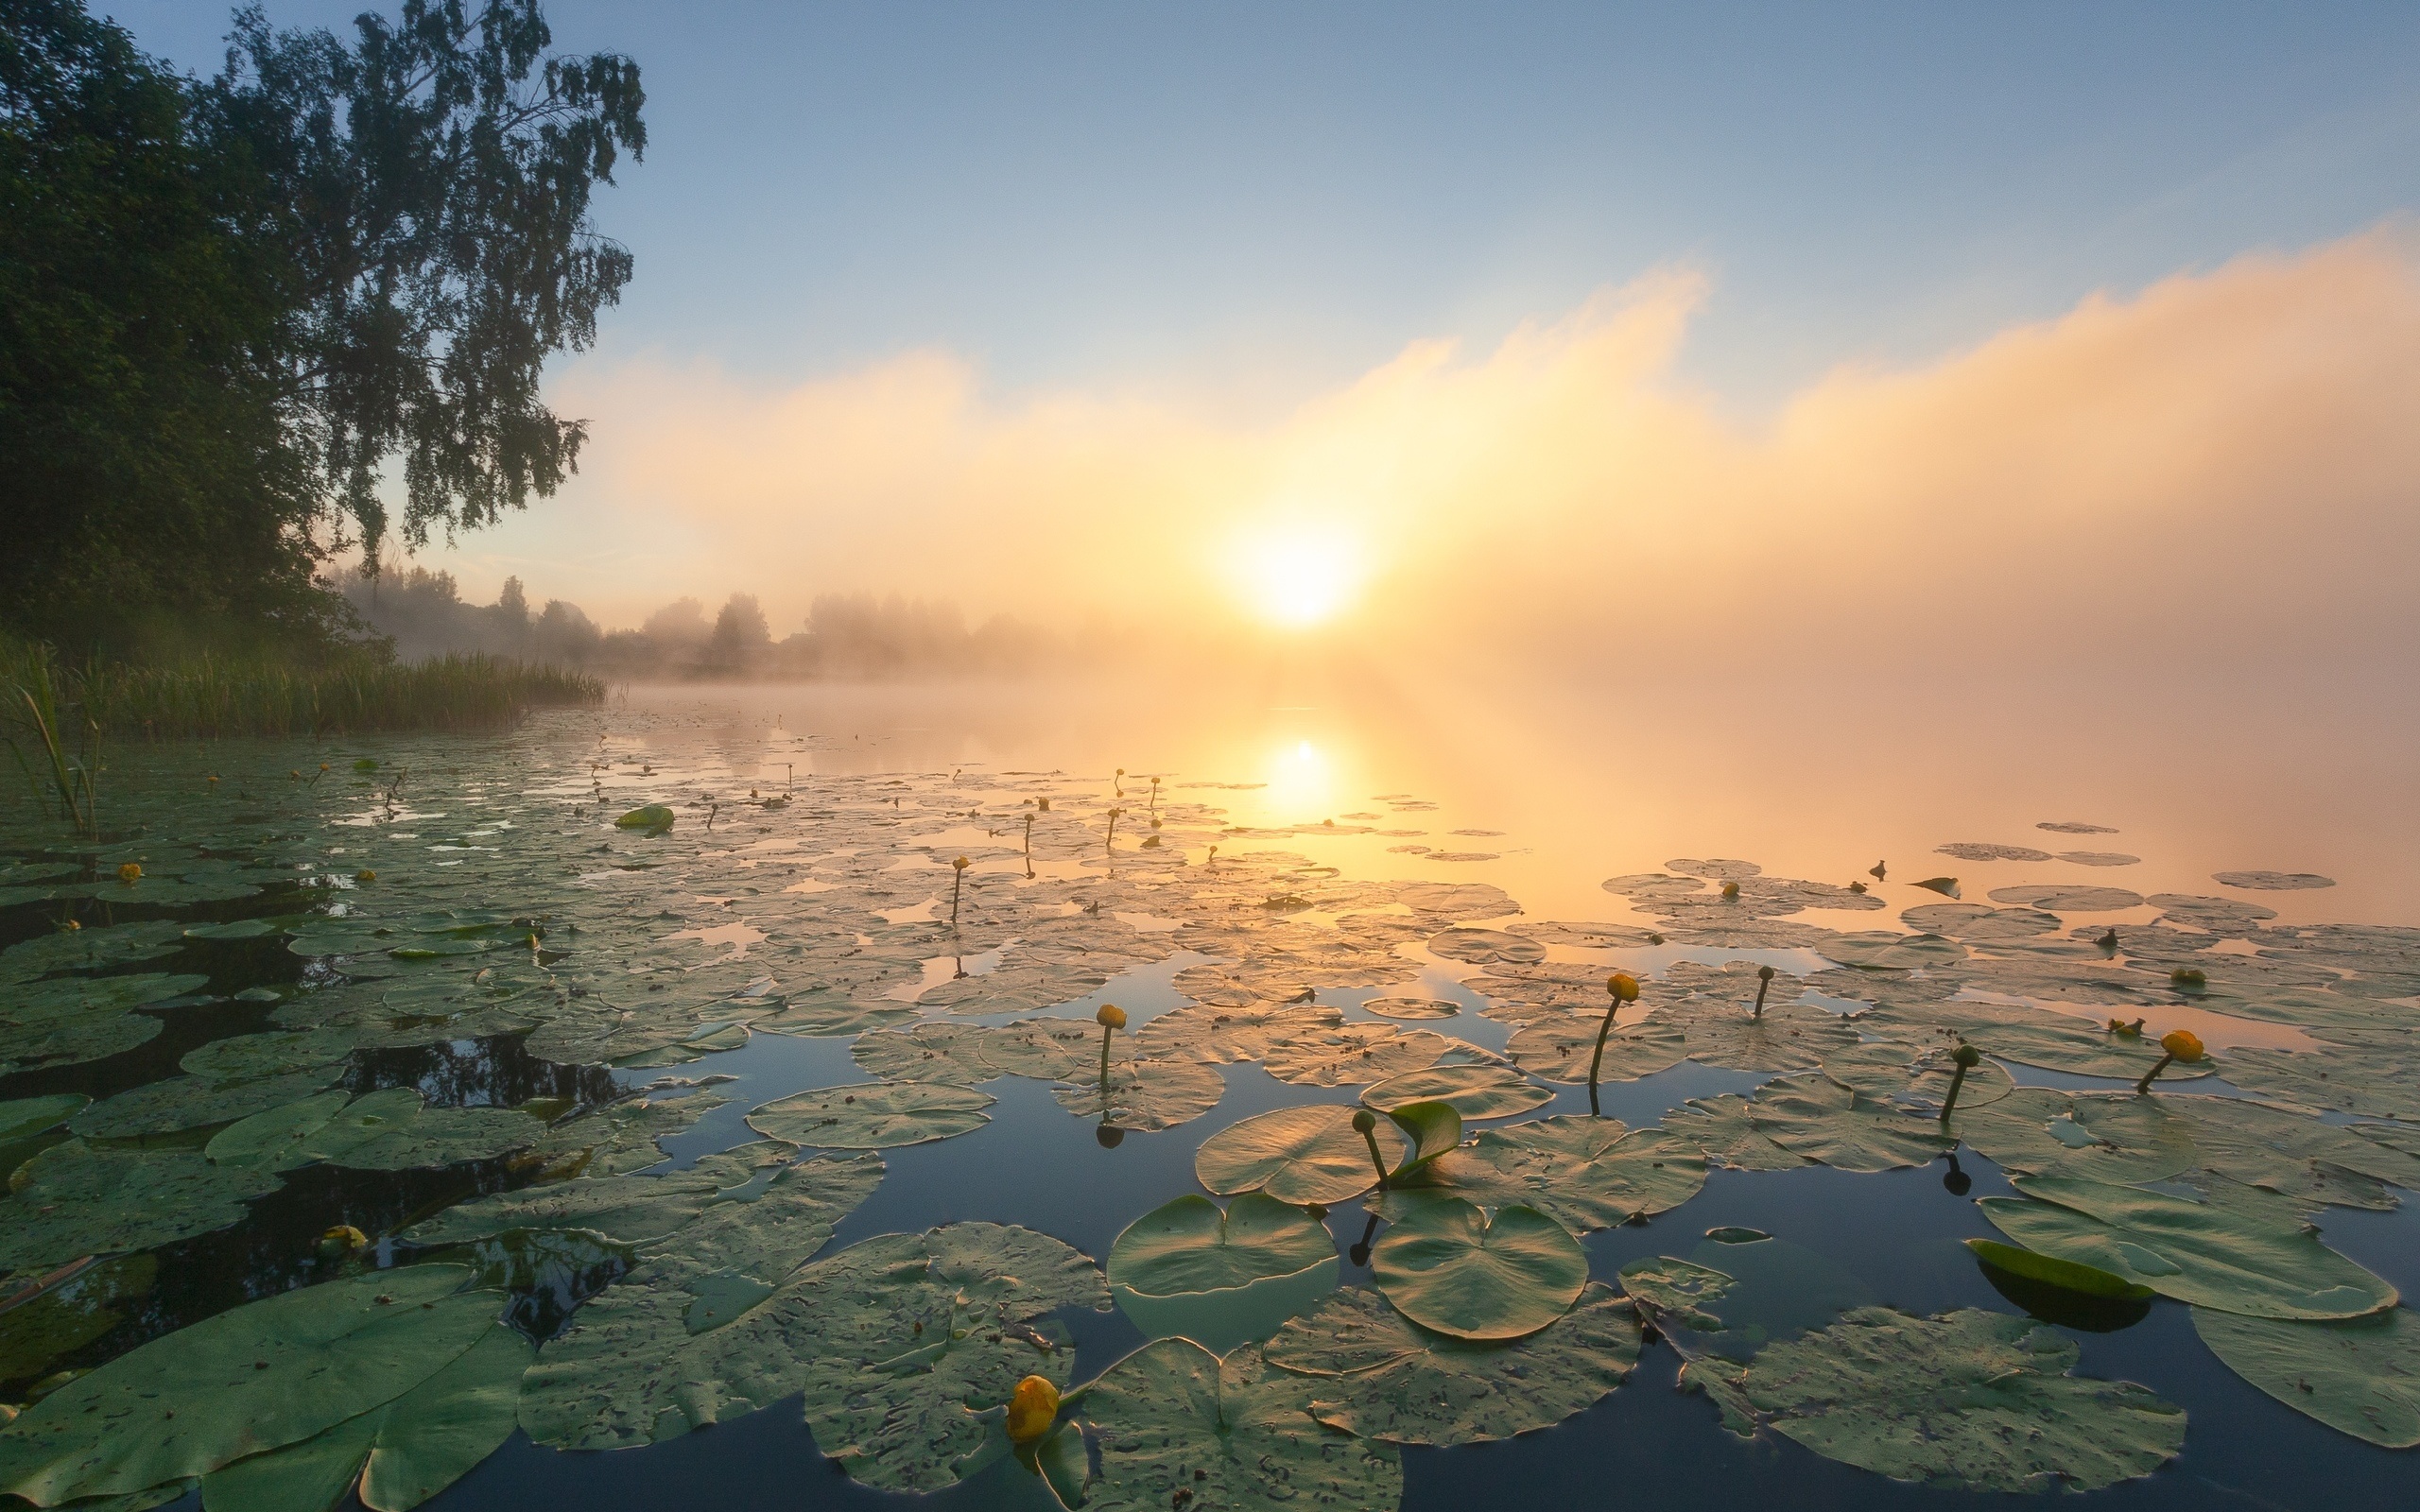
(1180, 1426)
(75, 1199)
(2067, 1274)
(70, 1312)
(1786, 1038)
(2120, 1137)
(1914, 1080)
(1184, 1268)
(1563, 1047)
(655, 818)
(1584, 1172)
(931, 1051)
(260, 1377)
(1145, 1095)
(1296, 1155)
(1722, 1128)
(2210, 1253)
(2380, 1079)
(1412, 1008)
(1348, 1055)
(1815, 1116)
(1383, 1377)
(890, 1340)
(872, 1115)
(1880, 950)
(398, 1455)
(626, 1210)
(2061, 1042)
(621, 1137)
(1447, 1267)
(1189, 1245)
(1485, 947)
(2295, 1155)
(26, 1117)
(2067, 898)
(1475, 1091)
(193, 1102)
(274, 1140)
(1969, 1400)
(2360, 1376)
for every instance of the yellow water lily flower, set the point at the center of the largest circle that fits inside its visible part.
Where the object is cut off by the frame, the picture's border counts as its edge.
(344, 1237)
(1111, 1017)
(129, 873)
(2179, 1044)
(365, 876)
(1623, 985)
(1032, 1409)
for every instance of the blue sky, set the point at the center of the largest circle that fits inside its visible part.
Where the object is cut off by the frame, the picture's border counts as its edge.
(1256, 202)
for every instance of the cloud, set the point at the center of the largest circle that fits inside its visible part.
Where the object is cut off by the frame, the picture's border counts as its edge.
(2221, 468)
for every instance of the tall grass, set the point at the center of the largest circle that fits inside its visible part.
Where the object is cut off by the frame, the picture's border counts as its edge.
(217, 697)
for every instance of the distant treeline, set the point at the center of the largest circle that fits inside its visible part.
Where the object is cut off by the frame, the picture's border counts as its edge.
(845, 636)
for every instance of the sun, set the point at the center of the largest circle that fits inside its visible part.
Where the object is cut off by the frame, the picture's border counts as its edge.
(1301, 575)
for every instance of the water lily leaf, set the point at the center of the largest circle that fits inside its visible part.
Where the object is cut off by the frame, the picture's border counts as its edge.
(192, 1102)
(815, 1015)
(331, 1352)
(1447, 1267)
(1815, 1116)
(278, 1052)
(1188, 1245)
(873, 1115)
(1879, 950)
(655, 818)
(1475, 1091)
(621, 1137)
(2360, 1376)
(1221, 1278)
(1784, 1037)
(626, 1210)
(931, 1051)
(2067, 1274)
(273, 1141)
(75, 1199)
(401, 1454)
(2380, 1080)
(1485, 947)
(2068, 898)
(1383, 1377)
(1584, 1172)
(890, 1340)
(2210, 1253)
(1296, 1155)
(68, 1311)
(1971, 1400)
(1722, 1128)
(2272, 880)
(1562, 1048)
(2118, 1139)
(2295, 1155)
(2061, 1042)
(1179, 1426)
(1145, 1095)
(1411, 1008)
(1347, 1055)
(26, 1117)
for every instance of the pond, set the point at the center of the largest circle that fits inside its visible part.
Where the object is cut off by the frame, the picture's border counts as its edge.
(730, 1095)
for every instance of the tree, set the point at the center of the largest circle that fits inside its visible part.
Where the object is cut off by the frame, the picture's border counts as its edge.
(740, 634)
(226, 307)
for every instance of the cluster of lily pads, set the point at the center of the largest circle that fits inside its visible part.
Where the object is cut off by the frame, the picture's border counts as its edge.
(482, 979)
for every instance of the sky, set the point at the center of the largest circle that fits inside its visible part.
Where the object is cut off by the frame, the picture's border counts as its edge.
(1158, 309)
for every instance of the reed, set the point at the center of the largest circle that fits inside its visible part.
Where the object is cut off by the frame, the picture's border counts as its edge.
(213, 697)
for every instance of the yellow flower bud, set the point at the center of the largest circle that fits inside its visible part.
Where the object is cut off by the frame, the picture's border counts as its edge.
(344, 1236)
(129, 873)
(1111, 1016)
(1032, 1409)
(1731, 890)
(365, 876)
(962, 863)
(2184, 1045)
(1623, 985)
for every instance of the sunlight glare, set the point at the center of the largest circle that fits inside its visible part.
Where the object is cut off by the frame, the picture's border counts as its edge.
(1301, 576)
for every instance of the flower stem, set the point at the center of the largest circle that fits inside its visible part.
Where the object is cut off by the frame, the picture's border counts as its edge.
(1599, 1058)
(2145, 1085)
(1957, 1079)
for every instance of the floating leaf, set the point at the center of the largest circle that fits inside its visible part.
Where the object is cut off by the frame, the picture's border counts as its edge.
(1348, 1055)
(1221, 1278)
(68, 1309)
(1447, 1267)
(872, 1115)
(655, 818)
(1296, 1155)
(26, 1117)
(2360, 1376)
(1970, 1400)
(1411, 1008)
(2116, 1138)
(626, 1209)
(2067, 1274)
(2294, 1156)
(1584, 1172)
(1145, 1095)
(1475, 1091)
(1485, 947)
(1563, 1047)
(1815, 1116)
(1384, 1377)
(2210, 1253)
(1723, 1128)
(261, 1376)
(2272, 880)
(1181, 1427)
(76, 1199)
(192, 1102)
(2068, 898)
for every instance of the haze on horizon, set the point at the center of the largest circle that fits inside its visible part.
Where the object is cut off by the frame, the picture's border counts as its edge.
(1891, 334)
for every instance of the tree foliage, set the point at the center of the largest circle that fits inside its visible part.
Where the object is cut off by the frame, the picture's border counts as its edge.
(228, 306)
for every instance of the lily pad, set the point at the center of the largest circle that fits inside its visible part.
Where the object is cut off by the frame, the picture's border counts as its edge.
(1561, 1048)
(2119, 1139)
(1145, 1095)
(626, 1209)
(654, 820)
(2272, 880)
(1816, 1117)
(76, 1199)
(2210, 1253)
(1485, 947)
(1475, 1092)
(26, 1117)
(1349, 1055)
(2067, 898)
(1877, 950)
(1221, 1278)
(2360, 1376)
(873, 1115)
(2295, 1155)
(2067, 1274)
(1296, 1155)
(193, 1102)
(1412, 1008)
(1969, 1400)
(1179, 1427)
(1449, 1267)
(260, 1377)
(1383, 1377)
(1584, 1172)
(1721, 1126)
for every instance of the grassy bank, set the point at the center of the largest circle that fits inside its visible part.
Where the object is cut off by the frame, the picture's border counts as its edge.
(214, 698)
